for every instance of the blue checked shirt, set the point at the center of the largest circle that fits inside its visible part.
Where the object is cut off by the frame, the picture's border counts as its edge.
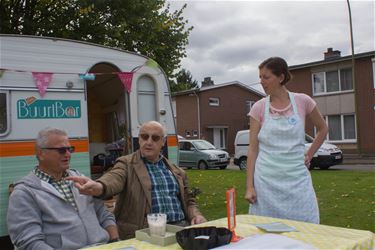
(165, 191)
(62, 186)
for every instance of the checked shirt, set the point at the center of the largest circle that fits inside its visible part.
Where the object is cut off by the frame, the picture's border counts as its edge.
(62, 186)
(165, 191)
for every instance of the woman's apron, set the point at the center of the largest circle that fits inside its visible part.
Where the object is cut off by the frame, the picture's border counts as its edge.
(282, 181)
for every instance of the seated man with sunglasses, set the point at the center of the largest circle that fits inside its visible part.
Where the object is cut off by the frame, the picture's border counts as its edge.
(146, 182)
(46, 211)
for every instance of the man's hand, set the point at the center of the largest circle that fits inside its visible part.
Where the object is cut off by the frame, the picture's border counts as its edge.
(113, 233)
(198, 220)
(86, 186)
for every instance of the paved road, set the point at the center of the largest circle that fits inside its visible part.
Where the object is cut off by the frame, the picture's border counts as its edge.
(367, 167)
(362, 167)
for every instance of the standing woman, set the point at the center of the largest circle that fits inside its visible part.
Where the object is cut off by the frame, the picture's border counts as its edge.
(278, 181)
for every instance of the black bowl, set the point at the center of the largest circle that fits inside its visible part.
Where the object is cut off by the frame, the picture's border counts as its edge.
(198, 238)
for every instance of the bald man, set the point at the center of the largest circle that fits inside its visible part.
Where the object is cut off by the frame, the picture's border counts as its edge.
(146, 182)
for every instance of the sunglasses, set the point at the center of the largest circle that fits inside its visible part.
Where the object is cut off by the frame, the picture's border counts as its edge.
(62, 150)
(155, 138)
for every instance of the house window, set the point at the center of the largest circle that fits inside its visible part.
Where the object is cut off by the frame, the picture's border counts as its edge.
(334, 128)
(318, 81)
(349, 127)
(213, 101)
(332, 78)
(187, 133)
(346, 79)
(4, 113)
(249, 105)
(332, 81)
(195, 133)
(341, 127)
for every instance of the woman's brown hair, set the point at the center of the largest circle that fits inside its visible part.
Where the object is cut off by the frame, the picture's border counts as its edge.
(278, 67)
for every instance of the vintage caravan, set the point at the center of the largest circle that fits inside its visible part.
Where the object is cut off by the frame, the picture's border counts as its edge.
(76, 86)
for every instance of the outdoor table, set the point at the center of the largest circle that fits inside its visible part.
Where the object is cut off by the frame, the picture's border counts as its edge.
(319, 236)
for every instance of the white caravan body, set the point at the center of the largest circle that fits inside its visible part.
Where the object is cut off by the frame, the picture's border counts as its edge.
(94, 113)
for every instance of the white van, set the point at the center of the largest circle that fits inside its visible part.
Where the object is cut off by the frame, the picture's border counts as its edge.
(241, 145)
(99, 114)
(326, 156)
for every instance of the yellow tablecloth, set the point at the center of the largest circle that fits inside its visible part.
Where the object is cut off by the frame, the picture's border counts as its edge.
(320, 236)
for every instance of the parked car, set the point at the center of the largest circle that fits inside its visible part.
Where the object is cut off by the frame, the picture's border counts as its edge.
(241, 145)
(179, 137)
(201, 154)
(326, 156)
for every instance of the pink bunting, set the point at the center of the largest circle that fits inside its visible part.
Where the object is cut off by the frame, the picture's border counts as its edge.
(42, 80)
(126, 79)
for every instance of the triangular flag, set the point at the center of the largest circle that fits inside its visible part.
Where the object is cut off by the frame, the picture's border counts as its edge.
(126, 79)
(42, 80)
(1, 72)
(151, 63)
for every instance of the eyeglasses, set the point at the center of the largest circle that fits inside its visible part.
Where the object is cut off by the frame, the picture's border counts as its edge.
(62, 150)
(155, 138)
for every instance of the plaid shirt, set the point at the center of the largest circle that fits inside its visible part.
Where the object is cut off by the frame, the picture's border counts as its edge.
(62, 186)
(165, 191)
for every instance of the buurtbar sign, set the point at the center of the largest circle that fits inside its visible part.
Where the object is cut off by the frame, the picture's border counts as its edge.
(32, 108)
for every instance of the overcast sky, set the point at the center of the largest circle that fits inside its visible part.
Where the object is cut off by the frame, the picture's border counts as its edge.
(231, 38)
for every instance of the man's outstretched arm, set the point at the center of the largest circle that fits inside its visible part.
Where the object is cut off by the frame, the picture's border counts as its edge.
(87, 186)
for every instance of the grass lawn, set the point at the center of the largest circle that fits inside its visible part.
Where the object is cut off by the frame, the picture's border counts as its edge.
(346, 198)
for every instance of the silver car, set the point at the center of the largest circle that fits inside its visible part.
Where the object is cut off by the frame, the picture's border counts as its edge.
(201, 154)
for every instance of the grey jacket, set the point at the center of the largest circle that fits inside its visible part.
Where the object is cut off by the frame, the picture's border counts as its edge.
(39, 217)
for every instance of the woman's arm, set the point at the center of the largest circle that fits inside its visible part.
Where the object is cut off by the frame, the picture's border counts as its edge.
(322, 130)
(252, 155)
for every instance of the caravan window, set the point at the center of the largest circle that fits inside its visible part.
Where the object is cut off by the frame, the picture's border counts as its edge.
(4, 113)
(146, 99)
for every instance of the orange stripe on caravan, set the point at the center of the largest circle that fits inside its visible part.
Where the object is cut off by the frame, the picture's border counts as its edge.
(8, 149)
(172, 140)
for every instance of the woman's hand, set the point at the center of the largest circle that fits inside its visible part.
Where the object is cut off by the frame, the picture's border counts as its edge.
(251, 195)
(307, 160)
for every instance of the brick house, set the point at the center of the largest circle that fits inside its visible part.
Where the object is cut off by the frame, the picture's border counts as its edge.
(348, 107)
(214, 112)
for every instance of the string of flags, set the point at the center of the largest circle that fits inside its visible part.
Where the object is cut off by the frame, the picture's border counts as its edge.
(43, 79)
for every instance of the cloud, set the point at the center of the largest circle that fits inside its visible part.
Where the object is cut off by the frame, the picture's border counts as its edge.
(231, 38)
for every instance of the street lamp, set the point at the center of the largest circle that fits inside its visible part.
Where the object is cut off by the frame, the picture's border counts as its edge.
(353, 78)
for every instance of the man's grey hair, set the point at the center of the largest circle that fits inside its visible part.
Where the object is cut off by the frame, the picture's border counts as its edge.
(44, 134)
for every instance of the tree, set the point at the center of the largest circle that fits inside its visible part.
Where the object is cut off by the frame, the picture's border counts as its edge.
(143, 26)
(184, 81)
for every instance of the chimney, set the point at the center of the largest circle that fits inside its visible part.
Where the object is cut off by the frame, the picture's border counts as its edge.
(332, 54)
(207, 82)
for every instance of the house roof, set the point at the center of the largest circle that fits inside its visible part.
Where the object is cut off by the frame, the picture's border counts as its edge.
(332, 60)
(215, 86)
